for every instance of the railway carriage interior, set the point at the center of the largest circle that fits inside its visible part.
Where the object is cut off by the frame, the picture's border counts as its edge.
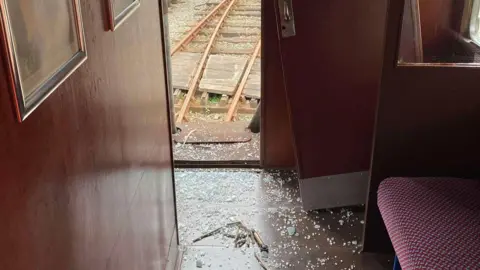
(315, 210)
(440, 32)
(241, 134)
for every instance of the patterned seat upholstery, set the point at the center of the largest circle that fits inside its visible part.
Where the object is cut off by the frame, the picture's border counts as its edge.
(434, 223)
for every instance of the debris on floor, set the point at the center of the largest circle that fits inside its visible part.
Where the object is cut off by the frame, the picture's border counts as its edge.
(242, 236)
(268, 202)
(291, 231)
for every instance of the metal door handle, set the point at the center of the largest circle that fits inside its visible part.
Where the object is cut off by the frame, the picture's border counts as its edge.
(287, 19)
(286, 11)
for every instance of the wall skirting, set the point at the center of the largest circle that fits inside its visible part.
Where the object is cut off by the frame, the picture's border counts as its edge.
(334, 190)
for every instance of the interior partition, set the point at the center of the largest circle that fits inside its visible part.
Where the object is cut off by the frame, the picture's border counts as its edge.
(429, 108)
(86, 180)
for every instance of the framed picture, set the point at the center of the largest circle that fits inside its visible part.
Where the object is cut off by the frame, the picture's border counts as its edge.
(44, 44)
(119, 11)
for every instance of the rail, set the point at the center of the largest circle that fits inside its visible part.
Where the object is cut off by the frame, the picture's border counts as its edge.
(201, 66)
(238, 93)
(197, 28)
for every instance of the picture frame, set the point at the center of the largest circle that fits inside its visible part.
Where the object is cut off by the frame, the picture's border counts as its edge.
(43, 44)
(119, 11)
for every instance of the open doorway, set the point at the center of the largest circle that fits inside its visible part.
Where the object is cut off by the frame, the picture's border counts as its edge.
(215, 64)
(219, 210)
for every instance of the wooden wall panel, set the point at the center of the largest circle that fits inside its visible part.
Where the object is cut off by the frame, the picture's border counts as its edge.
(86, 180)
(411, 44)
(435, 20)
(438, 20)
(444, 29)
(277, 138)
(332, 70)
(427, 125)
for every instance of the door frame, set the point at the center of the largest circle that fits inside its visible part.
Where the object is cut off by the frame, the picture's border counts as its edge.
(174, 252)
(276, 137)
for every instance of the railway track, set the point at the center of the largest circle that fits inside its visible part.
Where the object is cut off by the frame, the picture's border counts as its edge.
(216, 63)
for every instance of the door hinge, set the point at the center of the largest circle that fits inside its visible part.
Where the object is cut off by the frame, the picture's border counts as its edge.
(287, 19)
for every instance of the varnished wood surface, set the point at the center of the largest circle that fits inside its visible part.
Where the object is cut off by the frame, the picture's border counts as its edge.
(327, 240)
(427, 125)
(435, 20)
(277, 139)
(411, 44)
(332, 70)
(86, 180)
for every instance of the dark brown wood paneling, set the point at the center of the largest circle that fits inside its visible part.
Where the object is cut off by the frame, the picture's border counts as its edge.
(460, 15)
(444, 29)
(427, 125)
(332, 71)
(435, 20)
(436, 24)
(411, 44)
(277, 140)
(86, 180)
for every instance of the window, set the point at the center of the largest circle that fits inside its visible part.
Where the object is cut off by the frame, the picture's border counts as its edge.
(442, 33)
(475, 22)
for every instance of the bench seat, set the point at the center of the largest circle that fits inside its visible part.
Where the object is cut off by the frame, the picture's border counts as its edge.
(433, 223)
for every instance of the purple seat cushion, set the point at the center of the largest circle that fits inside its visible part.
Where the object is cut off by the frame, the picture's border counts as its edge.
(434, 223)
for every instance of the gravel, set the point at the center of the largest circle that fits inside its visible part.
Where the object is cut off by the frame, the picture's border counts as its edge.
(180, 16)
(195, 117)
(229, 45)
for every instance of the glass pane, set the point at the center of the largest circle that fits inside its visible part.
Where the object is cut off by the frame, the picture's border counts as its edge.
(44, 36)
(440, 32)
(121, 5)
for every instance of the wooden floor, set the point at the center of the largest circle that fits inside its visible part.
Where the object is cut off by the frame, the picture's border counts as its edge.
(270, 203)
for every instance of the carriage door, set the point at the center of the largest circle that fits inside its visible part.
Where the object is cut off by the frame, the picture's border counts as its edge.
(331, 52)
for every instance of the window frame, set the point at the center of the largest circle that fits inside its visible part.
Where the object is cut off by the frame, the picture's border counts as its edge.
(474, 26)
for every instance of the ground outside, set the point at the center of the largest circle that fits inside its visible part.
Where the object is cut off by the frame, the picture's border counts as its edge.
(216, 142)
